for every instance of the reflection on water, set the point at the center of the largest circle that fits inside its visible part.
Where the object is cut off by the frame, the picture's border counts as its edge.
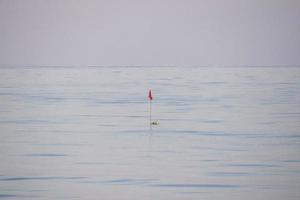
(83, 133)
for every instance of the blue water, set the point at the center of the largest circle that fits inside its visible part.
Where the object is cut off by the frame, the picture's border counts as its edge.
(83, 133)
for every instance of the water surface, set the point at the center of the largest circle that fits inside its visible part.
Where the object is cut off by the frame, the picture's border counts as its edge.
(83, 133)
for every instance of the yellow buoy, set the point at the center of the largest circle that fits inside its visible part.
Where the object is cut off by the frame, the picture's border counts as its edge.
(155, 123)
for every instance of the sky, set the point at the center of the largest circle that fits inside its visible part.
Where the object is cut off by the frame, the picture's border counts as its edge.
(150, 32)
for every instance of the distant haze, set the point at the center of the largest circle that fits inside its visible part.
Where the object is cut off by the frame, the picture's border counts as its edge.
(150, 32)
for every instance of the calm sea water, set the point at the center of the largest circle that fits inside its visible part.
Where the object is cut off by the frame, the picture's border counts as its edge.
(83, 133)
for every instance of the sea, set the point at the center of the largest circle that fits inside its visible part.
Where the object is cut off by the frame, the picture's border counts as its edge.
(84, 132)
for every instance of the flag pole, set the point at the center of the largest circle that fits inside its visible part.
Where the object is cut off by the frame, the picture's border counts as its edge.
(150, 108)
(150, 116)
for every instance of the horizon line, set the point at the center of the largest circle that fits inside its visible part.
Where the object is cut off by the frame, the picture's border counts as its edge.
(154, 66)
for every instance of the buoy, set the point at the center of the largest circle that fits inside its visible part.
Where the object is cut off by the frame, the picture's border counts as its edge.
(154, 123)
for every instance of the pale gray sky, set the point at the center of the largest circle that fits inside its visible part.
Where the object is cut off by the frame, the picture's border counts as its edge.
(150, 32)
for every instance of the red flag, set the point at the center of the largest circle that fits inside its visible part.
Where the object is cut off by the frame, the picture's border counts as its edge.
(150, 95)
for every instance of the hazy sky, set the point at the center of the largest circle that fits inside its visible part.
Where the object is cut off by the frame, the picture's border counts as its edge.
(150, 32)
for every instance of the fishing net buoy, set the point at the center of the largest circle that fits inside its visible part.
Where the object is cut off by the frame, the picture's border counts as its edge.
(154, 123)
(150, 97)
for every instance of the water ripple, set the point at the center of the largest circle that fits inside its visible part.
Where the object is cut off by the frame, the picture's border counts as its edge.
(46, 155)
(17, 196)
(126, 181)
(30, 178)
(196, 185)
